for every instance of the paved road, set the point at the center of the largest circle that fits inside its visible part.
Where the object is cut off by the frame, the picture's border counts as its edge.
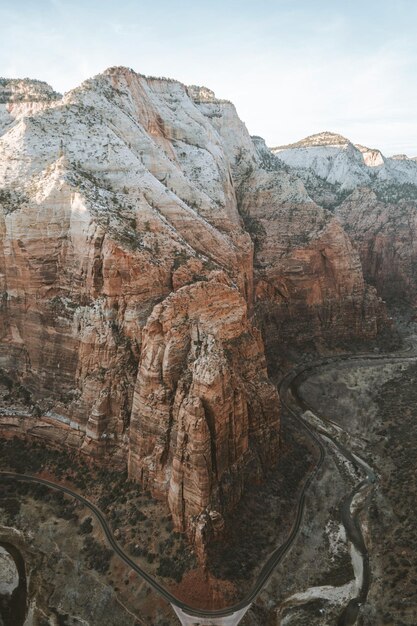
(274, 559)
(267, 569)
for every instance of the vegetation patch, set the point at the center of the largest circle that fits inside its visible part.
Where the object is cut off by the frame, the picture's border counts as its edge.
(141, 523)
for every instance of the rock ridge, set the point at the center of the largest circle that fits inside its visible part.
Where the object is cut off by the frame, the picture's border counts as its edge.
(145, 241)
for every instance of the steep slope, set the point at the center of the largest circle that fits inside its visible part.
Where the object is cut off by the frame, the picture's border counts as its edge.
(309, 286)
(383, 223)
(112, 198)
(375, 199)
(198, 420)
(128, 285)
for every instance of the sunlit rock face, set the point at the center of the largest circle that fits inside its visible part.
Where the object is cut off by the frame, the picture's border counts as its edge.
(113, 198)
(337, 161)
(204, 416)
(141, 229)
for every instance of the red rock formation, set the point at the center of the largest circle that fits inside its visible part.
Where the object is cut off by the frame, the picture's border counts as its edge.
(127, 283)
(309, 282)
(375, 199)
(96, 228)
(204, 414)
(384, 227)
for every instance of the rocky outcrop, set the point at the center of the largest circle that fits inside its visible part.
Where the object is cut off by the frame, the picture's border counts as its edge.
(204, 414)
(375, 200)
(132, 211)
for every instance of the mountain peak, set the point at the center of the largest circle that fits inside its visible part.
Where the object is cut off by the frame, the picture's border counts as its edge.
(26, 90)
(325, 138)
(124, 71)
(400, 157)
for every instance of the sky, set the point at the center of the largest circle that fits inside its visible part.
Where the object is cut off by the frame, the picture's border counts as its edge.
(291, 67)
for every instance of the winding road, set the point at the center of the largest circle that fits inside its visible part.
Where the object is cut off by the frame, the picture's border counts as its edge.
(295, 406)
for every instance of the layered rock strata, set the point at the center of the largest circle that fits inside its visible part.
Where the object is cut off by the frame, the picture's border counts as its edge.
(112, 198)
(130, 210)
(375, 199)
(309, 284)
(204, 415)
(383, 224)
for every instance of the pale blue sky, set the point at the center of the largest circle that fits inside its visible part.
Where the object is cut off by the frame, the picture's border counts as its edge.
(292, 67)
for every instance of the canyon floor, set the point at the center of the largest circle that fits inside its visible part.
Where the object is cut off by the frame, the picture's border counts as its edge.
(143, 526)
(78, 580)
(374, 404)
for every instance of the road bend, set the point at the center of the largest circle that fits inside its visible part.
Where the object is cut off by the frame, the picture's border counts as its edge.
(229, 616)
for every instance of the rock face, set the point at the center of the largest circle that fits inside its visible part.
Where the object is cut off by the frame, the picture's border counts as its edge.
(309, 281)
(383, 224)
(373, 197)
(204, 414)
(337, 161)
(121, 195)
(130, 210)
(23, 97)
(309, 284)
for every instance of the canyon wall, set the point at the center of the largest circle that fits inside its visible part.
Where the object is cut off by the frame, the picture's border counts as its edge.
(383, 224)
(375, 200)
(309, 284)
(143, 236)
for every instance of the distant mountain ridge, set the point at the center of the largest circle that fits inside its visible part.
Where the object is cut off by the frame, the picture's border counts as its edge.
(373, 196)
(26, 90)
(324, 138)
(337, 160)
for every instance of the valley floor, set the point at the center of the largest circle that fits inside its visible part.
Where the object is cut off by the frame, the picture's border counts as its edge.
(373, 402)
